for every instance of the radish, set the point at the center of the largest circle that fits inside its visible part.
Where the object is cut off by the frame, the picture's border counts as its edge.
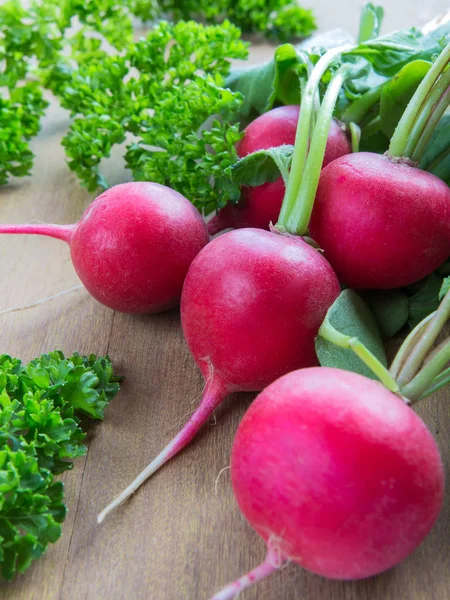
(260, 206)
(133, 246)
(252, 304)
(382, 222)
(335, 473)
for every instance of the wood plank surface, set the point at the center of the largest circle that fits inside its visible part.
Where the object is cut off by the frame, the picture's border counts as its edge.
(181, 536)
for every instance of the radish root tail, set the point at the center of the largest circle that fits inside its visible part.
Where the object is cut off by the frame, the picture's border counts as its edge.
(212, 397)
(271, 563)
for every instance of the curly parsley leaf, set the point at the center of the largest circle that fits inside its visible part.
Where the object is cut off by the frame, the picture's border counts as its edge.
(276, 19)
(39, 48)
(40, 435)
(161, 91)
(31, 509)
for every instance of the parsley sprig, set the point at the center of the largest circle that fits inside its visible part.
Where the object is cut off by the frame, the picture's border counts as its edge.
(161, 91)
(40, 435)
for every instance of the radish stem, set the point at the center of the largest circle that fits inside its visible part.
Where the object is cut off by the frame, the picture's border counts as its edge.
(426, 342)
(355, 133)
(407, 346)
(298, 218)
(432, 110)
(439, 382)
(400, 139)
(329, 333)
(428, 130)
(429, 372)
(304, 130)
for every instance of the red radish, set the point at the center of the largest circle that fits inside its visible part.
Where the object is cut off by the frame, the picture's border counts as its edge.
(382, 223)
(259, 206)
(252, 304)
(133, 246)
(335, 473)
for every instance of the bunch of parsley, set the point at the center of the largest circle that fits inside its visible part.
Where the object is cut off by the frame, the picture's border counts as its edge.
(161, 91)
(36, 51)
(278, 19)
(40, 435)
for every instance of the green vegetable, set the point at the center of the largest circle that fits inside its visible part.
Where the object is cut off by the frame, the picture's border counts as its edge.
(280, 19)
(437, 155)
(398, 92)
(40, 435)
(263, 166)
(370, 22)
(389, 53)
(349, 319)
(390, 308)
(276, 81)
(386, 71)
(37, 49)
(425, 300)
(20, 113)
(161, 91)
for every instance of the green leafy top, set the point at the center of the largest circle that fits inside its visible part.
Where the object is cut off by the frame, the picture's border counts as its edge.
(388, 70)
(40, 434)
(162, 90)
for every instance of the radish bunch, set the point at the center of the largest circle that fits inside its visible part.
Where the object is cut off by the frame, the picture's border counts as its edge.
(333, 470)
(260, 205)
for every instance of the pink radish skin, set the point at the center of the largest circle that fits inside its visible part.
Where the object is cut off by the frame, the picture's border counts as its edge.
(133, 246)
(259, 206)
(336, 473)
(381, 224)
(252, 304)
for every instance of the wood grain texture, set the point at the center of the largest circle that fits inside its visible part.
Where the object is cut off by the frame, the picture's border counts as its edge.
(176, 539)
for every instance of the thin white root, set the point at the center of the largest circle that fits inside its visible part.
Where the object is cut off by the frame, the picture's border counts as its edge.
(218, 477)
(42, 301)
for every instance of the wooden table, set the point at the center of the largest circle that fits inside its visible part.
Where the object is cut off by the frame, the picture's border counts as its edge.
(181, 537)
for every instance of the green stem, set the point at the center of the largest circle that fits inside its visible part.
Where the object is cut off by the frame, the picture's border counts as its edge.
(304, 57)
(439, 382)
(427, 375)
(428, 130)
(359, 109)
(436, 101)
(373, 127)
(302, 138)
(355, 134)
(297, 219)
(425, 343)
(328, 332)
(407, 346)
(400, 139)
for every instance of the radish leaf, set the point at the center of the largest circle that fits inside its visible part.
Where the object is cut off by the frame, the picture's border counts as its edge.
(351, 316)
